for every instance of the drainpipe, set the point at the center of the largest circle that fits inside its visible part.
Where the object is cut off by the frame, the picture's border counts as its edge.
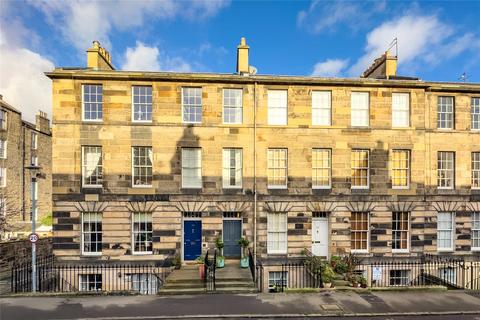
(255, 172)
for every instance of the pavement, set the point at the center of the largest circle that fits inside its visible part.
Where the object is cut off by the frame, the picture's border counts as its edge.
(444, 305)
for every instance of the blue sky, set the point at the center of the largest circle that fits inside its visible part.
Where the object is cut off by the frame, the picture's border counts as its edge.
(438, 40)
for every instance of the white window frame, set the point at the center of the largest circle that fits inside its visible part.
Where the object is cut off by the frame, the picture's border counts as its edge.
(404, 277)
(442, 102)
(356, 110)
(278, 276)
(199, 183)
(446, 171)
(475, 230)
(227, 167)
(83, 103)
(4, 144)
(34, 141)
(146, 232)
(475, 170)
(475, 114)
(271, 152)
(234, 107)
(361, 168)
(81, 282)
(321, 168)
(400, 231)
(399, 110)
(84, 168)
(142, 104)
(451, 230)
(185, 89)
(3, 177)
(145, 166)
(400, 169)
(319, 108)
(277, 108)
(3, 119)
(279, 227)
(97, 214)
(360, 230)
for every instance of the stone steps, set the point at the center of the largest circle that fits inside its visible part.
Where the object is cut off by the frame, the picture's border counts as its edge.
(231, 279)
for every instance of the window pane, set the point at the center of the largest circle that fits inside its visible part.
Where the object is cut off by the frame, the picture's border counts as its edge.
(142, 166)
(277, 107)
(400, 110)
(445, 111)
(321, 108)
(232, 105)
(360, 109)
(192, 105)
(191, 168)
(92, 102)
(277, 167)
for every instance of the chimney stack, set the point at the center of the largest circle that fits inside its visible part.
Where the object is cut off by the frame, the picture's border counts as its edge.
(242, 57)
(98, 58)
(42, 123)
(384, 67)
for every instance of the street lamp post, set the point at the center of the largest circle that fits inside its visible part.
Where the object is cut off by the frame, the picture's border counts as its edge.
(34, 244)
(36, 173)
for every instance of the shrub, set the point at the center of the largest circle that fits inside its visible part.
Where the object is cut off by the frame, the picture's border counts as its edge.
(328, 274)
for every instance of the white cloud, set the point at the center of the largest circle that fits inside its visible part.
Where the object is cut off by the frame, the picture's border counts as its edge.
(326, 15)
(146, 58)
(22, 82)
(330, 68)
(423, 41)
(81, 22)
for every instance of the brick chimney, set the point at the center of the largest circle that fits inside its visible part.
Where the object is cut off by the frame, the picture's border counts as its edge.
(42, 123)
(242, 57)
(98, 58)
(384, 67)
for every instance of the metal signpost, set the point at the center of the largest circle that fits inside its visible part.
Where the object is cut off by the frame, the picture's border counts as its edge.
(34, 237)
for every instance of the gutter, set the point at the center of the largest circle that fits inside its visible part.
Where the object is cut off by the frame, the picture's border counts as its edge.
(255, 172)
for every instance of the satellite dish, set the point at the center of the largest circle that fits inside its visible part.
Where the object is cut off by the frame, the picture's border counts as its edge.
(252, 70)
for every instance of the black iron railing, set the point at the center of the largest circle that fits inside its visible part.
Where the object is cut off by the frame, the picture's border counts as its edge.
(210, 270)
(296, 275)
(448, 272)
(55, 277)
(251, 264)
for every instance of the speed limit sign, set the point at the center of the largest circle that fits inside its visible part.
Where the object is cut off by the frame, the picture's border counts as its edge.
(33, 237)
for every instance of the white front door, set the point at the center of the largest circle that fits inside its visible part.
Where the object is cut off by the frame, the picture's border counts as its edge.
(320, 237)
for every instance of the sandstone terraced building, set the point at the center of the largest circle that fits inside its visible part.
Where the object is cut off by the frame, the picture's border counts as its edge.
(151, 164)
(22, 145)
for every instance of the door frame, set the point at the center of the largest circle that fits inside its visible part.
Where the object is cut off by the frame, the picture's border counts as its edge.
(241, 229)
(327, 219)
(183, 236)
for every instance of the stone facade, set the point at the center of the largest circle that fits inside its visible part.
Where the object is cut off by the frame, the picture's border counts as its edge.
(171, 205)
(19, 151)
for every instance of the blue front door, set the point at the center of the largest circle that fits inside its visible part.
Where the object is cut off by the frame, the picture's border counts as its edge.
(192, 239)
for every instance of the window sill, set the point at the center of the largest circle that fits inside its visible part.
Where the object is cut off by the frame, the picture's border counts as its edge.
(400, 251)
(93, 121)
(191, 188)
(359, 251)
(277, 187)
(360, 188)
(446, 250)
(91, 254)
(142, 253)
(142, 121)
(94, 186)
(444, 188)
(322, 188)
(401, 188)
(142, 186)
(232, 188)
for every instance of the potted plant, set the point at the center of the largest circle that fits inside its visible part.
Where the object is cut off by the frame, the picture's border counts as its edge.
(362, 281)
(327, 276)
(220, 258)
(243, 242)
(201, 266)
